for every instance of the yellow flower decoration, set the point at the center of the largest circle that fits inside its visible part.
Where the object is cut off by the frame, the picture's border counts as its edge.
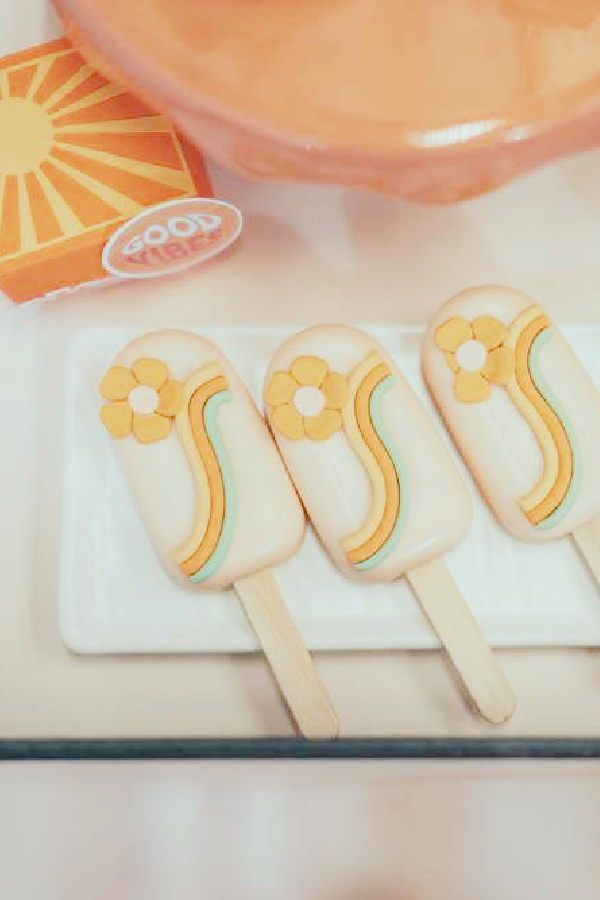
(472, 386)
(306, 371)
(121, 419)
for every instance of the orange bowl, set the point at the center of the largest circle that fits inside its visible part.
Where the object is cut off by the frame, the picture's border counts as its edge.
(431, 100)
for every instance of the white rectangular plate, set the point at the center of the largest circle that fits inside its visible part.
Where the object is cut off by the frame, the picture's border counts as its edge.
(112, 601)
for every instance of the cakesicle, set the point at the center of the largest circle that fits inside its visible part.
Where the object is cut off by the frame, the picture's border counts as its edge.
(523, 412)
(213, 492)
(378, 484)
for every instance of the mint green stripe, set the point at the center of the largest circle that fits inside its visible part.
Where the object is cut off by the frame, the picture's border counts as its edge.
(211, 424)
(387, 441)
(538, 379)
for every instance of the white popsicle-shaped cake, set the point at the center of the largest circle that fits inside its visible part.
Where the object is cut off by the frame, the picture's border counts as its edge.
(379, 486)
(522, 410)
(212, 491)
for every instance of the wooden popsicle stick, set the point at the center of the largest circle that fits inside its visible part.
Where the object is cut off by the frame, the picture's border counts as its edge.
(587, 539)
(462, 640)
(292, 665)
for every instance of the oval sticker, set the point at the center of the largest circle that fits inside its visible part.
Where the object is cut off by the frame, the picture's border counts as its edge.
(170, 237)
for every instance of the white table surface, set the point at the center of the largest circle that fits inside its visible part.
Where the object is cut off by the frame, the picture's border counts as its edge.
(307, 255)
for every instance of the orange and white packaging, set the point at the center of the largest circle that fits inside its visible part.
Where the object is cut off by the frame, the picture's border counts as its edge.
(93, 184)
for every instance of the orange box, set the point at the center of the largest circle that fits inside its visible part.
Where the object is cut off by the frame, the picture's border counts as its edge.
(79, 156)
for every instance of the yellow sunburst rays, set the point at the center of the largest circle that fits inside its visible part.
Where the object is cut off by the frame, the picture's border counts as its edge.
(50, 145)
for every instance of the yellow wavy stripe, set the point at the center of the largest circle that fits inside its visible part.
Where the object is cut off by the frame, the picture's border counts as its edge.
(533, 418)
(184, 430)
(390, 477)
(216, 515)
(374, 473)
(538, 511)
(379, 528)
(552, 487)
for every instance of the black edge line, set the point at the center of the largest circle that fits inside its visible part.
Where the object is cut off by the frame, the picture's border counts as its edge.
(295, 748)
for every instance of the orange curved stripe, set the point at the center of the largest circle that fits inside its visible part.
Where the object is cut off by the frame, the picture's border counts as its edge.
(558, 492)
(392, 487)
(216, 517)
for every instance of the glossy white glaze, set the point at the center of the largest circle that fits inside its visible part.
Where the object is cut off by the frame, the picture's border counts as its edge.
(269, 524)
(333, 483)
(496, 441)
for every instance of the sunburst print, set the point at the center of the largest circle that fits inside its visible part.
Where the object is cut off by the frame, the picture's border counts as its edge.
(79, 155)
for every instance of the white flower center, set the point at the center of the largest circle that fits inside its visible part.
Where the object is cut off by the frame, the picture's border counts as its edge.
(471, 356)
(309, 401)
(143, 399)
